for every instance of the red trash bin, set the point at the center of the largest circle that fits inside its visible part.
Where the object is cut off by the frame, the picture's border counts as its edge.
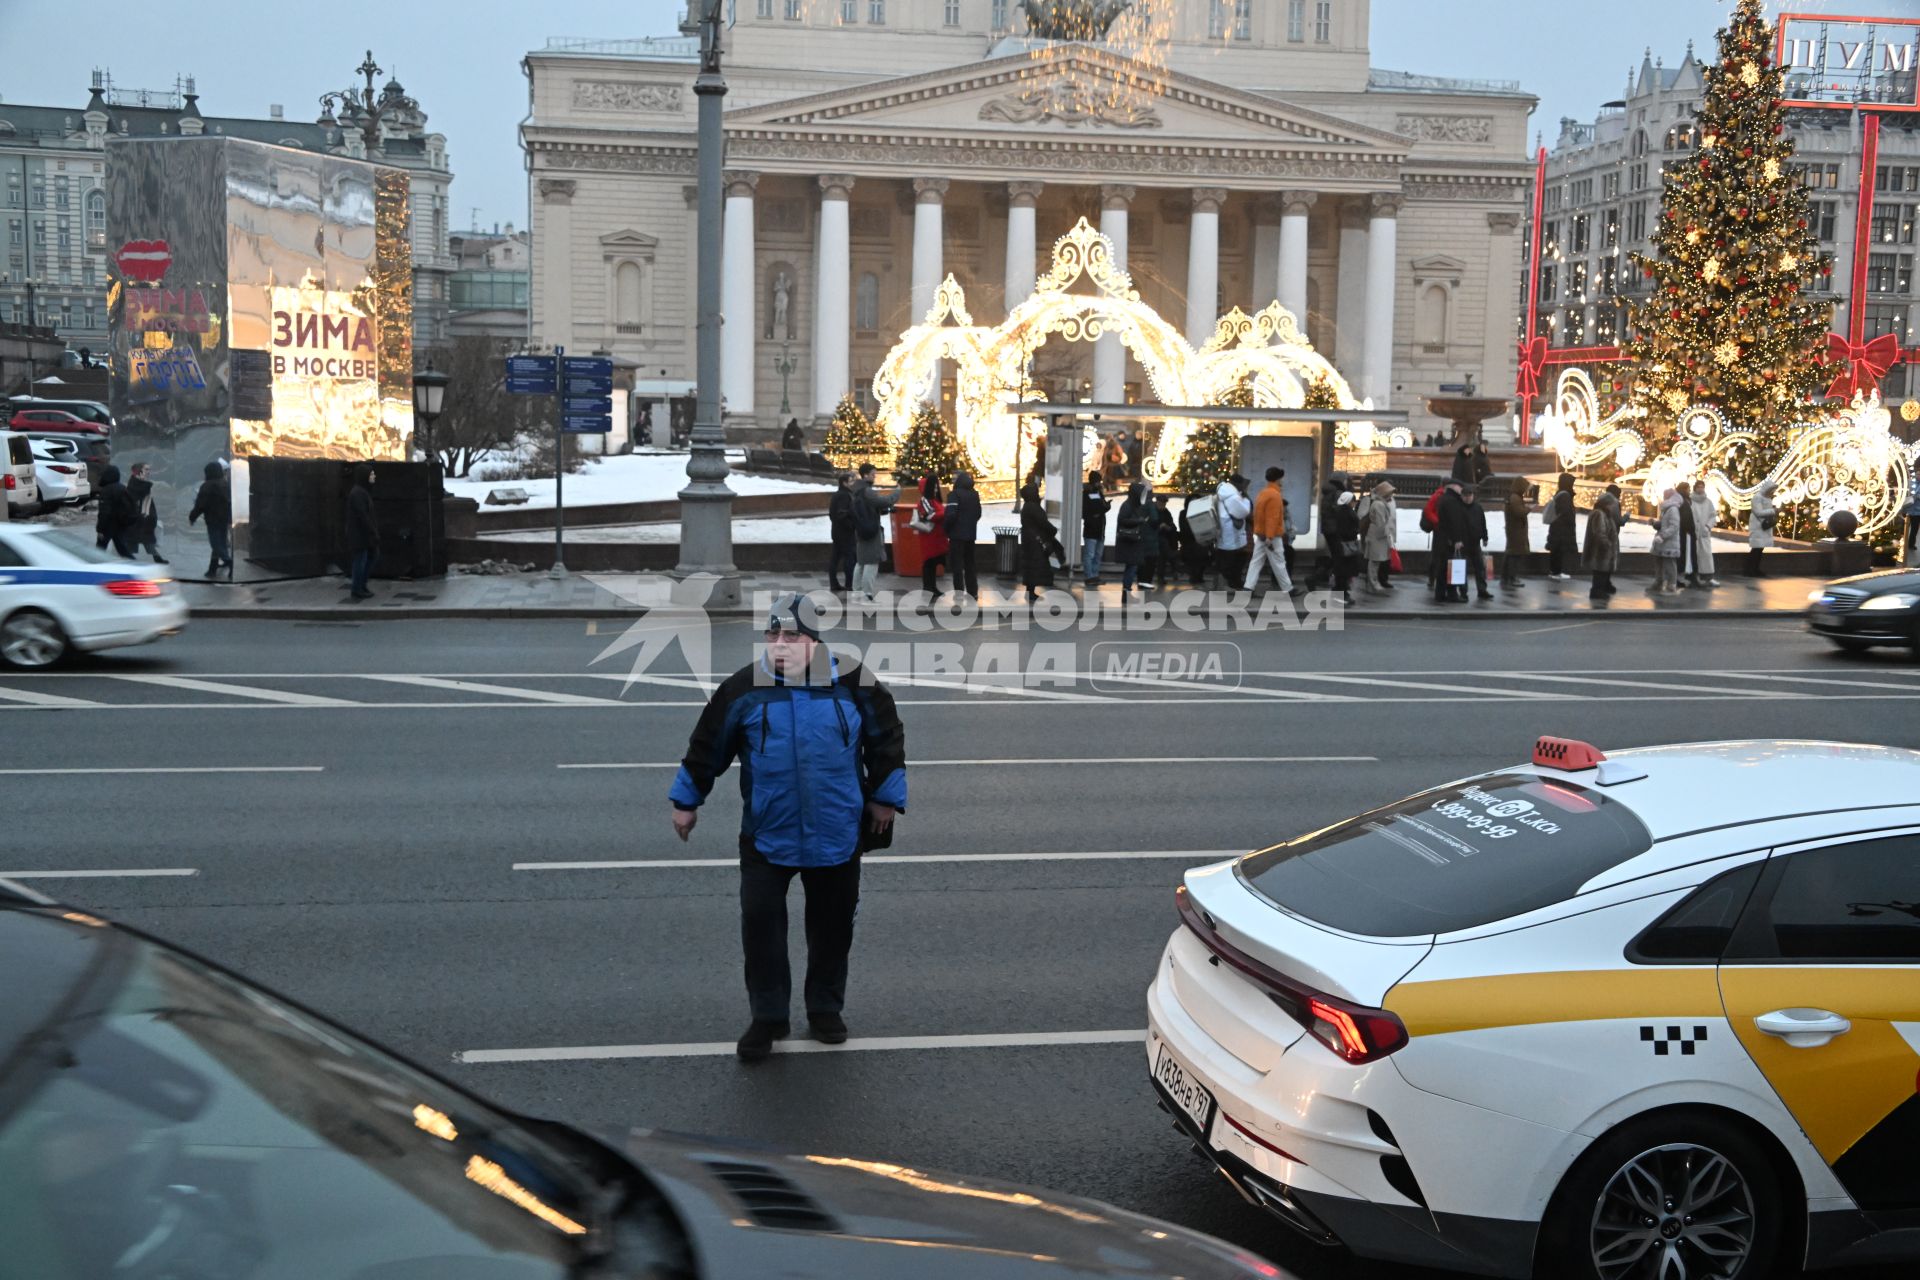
(907, 554)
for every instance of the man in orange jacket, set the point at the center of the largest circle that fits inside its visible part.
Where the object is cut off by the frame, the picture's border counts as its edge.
(1269, 534)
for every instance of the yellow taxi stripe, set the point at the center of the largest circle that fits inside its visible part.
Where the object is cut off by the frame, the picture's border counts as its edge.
(1528, 999)
(1840, 1090)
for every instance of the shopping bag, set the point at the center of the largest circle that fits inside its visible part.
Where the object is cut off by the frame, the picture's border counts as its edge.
(1489, 564)
(1393, 560)
(1457, 572)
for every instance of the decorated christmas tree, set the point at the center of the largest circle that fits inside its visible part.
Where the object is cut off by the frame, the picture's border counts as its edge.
(1321, 394)
(1726, 323)
(852, 438)
(930, 448)
(1214, 449)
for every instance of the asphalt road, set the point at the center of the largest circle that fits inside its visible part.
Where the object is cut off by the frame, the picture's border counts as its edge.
(380, 871)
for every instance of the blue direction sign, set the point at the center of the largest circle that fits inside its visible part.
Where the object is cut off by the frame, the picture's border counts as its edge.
(586, 406)
(586, 424)
(589, 366)
(530, 375)
(585, 384)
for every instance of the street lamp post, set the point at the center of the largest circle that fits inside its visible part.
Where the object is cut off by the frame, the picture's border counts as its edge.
(366, 102)
(429, 396)
(706, 504)
(784, 366)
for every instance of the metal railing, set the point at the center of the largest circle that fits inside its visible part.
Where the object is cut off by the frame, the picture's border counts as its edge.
(676, 48)
(1381, 78)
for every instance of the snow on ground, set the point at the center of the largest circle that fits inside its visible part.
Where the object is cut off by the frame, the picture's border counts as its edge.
(1636, 536)
(636, 477)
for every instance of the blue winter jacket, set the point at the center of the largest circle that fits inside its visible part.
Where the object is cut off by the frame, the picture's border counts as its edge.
(812, 752)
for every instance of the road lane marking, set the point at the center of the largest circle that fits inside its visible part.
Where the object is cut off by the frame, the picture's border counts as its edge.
(725, 1048)
(1113, 760)
(499, 690)
(234, 690)
(1397, 682)
(686, 864)
(34, 699)
(1832, 680)
(99, 875)
(1656, 684)
(113, 770)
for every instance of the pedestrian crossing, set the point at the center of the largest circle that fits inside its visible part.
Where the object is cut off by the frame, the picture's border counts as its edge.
(64, 692)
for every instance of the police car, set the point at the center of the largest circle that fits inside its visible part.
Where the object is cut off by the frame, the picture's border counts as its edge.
(58, 594)
(1648, 1015)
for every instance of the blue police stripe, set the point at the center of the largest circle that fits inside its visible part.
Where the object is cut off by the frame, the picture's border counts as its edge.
(62, 577)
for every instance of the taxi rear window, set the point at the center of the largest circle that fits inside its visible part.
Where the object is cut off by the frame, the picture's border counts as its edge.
(1453, 858)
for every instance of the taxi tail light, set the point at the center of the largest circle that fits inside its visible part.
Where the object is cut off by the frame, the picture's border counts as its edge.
(132, 588)
(1357, 1033)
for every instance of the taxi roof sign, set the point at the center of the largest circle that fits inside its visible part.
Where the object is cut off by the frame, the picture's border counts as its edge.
(1567, 754)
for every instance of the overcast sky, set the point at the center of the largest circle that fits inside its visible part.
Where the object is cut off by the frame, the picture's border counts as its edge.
(462, 60)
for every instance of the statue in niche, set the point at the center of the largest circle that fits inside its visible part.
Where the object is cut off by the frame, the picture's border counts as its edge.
(782, 326)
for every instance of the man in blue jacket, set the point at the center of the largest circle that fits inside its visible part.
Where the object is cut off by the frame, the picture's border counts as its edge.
(823, 771)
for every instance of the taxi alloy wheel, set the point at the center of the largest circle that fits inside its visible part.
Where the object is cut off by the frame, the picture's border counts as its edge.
(31, 638)
(1672, 1213)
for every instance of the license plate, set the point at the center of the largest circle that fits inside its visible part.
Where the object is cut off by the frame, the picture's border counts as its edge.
(1187, 1093)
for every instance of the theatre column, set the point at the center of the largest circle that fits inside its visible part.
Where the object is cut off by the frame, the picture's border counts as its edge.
(1203, 264)
(1109, 356)
(1021, 246)
(1376, 367)
(1292, 286)
(833, 288)
(738, 319)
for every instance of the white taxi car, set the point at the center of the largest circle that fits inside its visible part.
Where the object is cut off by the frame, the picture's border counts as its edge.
(58, 593)
(1654, 1015)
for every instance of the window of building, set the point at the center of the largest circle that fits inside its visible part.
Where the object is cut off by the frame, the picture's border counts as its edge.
(1896, 178)
(1296, 20)
(62, 192)
(1610, 229)
(1547, 282)
(952, 14)
(792, 13)
(1243, 19)
(1323, 22)
(1885, 319)
(866, 303)
(1640, 142)
(37, 192)
(13, 188)
(1576, 329)
(1581, 223)
(1582, 193)
(1850, 902)
(1555, 194)
(764, 9)
(1637, 177)
(1822, 217)
(629, 293)
(877, 12)
(1609, 185)
(1216, 19)
(1577, 282)
(89, 313)
(849, 12)
(1892, 224)
(1889, 272)
(14, 234)
(1430, 318)
(87, 272)
(1637, 222)
(1000, 22)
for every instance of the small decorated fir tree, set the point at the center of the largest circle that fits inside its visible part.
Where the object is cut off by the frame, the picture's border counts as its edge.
(1213, 452)
(1321, 394)
(852, 438)
(930, 448)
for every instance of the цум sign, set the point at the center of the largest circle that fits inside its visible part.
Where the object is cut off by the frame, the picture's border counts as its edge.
(1846, 62)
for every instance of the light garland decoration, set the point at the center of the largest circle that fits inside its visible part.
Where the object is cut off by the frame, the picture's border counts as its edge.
(1846, 460)
(1265, 351)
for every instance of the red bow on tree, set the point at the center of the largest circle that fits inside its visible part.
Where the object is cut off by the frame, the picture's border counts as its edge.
(1533, 358)
(1867, 363)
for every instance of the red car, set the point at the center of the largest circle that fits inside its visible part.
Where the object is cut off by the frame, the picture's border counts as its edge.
(53, 420)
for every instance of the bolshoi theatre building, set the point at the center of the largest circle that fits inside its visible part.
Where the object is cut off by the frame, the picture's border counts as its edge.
(1235, 153)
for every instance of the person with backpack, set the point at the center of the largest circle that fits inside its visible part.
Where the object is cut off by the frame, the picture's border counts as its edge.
(869, 530)
(215, 502)
(1195, 546)
(146, 522)
(930, 522)
(840, 561)
(1231, 506)
(1093, 528)
(1430, 525)
(962, 525)
(1562, 543)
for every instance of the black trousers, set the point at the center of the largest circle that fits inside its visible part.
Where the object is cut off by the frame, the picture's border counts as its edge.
(833, 894)
(930, 573)
(840, 566)
(965, 576)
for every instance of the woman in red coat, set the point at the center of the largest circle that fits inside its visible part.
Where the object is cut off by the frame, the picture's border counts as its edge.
(932, 527)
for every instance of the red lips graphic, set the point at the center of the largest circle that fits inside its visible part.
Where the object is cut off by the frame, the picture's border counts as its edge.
(144, 260)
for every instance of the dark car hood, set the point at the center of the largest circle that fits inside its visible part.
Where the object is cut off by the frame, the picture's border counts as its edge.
(757, 1212)
(1882, 580)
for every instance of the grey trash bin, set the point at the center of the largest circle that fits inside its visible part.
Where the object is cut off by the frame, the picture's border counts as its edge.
(1006, 550)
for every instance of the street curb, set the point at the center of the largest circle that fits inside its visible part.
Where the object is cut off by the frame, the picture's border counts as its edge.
(514, 613)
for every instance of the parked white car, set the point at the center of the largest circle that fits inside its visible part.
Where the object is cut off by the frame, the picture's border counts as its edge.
(61, 473)
(17, 474)
(58, 593)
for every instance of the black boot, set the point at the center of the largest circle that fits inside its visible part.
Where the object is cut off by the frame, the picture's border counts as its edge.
(757, 1042)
